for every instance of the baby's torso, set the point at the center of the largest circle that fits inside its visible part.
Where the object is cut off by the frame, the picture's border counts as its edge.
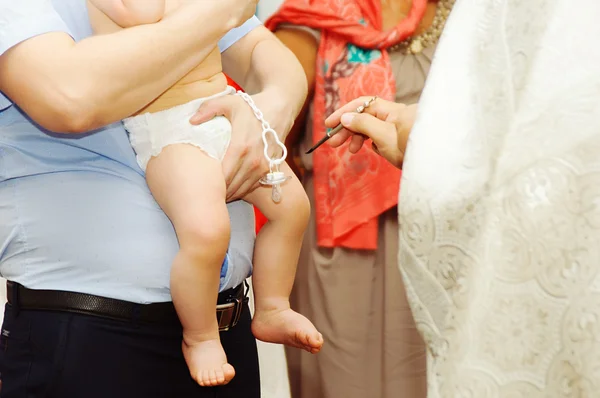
(204, 80)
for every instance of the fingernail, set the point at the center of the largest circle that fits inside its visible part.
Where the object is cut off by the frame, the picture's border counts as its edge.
(347, 119)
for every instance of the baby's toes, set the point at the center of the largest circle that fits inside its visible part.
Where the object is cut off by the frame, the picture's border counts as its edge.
(303, 338)
(217, 376)
(315, 340)
(204, 378)
(228, 373)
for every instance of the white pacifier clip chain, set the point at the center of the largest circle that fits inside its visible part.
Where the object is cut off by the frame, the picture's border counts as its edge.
(275, 177)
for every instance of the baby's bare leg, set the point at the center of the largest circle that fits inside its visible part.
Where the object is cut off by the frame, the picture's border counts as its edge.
(190, 188)
(275, 257)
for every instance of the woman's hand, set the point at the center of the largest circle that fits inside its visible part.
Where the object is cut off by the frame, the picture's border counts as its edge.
(244, 163)
(387, 123)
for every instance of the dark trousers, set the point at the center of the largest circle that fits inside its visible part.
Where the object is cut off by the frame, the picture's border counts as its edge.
(63, 355)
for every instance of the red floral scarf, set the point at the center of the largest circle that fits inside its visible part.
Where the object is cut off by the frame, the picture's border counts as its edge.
(351, 191)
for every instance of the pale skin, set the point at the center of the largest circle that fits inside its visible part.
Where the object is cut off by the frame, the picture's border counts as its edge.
(192, 189)
(388, 124)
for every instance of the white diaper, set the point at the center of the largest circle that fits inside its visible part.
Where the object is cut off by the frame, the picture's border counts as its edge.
(150, 133)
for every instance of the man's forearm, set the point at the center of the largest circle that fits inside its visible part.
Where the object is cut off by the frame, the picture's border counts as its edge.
(105, 78)
(145, 7)
(275, 71)
(152, 58)
(127, 13)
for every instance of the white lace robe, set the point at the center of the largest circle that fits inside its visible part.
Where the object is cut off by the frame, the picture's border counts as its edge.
(500, 202)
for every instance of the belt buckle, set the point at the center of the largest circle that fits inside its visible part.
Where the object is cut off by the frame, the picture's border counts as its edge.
(230, 313)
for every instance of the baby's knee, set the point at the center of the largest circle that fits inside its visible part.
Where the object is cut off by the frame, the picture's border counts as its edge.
(297, 208)
(208, 232)
(303, 206)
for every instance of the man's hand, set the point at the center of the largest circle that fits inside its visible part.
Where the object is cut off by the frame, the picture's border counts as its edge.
(244, 163)
(279, 90)
(387, 123)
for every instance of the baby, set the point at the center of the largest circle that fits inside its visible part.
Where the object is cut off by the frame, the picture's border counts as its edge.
(183, 170)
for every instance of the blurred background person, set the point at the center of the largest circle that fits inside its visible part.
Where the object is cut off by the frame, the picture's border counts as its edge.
(348, 282)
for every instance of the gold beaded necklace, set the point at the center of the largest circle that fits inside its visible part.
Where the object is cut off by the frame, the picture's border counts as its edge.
(416, 44)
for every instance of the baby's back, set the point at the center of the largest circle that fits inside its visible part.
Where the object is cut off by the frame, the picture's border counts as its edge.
(204, 80)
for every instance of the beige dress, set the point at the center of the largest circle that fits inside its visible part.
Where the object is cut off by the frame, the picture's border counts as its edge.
(356, 299)
(500, 203)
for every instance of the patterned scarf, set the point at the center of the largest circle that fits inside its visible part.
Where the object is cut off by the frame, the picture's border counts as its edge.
(351, 191)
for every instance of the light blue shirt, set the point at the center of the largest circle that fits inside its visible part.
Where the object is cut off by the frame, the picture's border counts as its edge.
(75, 211)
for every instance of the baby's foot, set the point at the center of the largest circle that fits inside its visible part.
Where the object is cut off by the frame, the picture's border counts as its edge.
(287, 327)
(207, 362)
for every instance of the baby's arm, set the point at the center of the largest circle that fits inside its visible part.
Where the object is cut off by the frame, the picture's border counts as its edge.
(127, 13)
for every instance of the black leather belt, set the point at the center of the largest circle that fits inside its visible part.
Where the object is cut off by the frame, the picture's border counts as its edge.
(229, 305)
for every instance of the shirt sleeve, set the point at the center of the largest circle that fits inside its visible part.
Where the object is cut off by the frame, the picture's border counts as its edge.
(236, 34)
(23, 19)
